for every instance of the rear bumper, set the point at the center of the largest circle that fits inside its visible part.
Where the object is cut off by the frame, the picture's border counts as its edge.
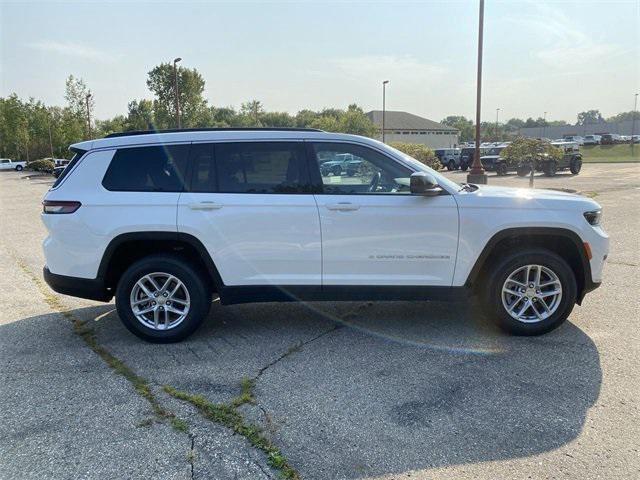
(92, 289)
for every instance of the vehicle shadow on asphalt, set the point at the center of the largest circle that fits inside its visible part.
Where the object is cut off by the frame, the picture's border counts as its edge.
(363, 389)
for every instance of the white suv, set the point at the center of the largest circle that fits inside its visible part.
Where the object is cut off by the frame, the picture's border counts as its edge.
(164, 220)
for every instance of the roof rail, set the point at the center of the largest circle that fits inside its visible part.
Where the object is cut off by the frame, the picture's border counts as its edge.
(217, 129)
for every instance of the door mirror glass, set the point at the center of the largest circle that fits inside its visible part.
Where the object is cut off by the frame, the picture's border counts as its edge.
(423, 183)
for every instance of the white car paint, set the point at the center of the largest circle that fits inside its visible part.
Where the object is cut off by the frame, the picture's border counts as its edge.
(8, 164)
(302, 239)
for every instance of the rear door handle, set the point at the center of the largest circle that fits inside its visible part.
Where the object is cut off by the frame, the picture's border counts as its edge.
(205, 206)
(343, 206)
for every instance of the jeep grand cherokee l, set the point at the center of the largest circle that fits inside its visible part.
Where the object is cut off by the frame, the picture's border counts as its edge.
(162, 221)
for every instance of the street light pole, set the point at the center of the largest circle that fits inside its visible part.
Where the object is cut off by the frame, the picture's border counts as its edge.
(477, 175)
(50, 140)
(544, 125)
(384, 105)
(86, 99)
(633, 120)
(497, 110)
(176, 91)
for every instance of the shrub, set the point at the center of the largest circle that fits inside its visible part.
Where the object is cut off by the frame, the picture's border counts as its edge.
(524, 150)
(420, 152)
(42, 165)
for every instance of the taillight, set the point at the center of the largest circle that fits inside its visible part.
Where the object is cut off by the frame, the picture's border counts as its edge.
(53, 206)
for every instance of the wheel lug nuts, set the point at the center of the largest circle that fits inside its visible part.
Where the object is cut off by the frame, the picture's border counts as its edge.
(165, 294)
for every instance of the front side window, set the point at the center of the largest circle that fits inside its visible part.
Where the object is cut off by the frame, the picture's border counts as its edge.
(262, 167)
(354, 169)
(148, 169)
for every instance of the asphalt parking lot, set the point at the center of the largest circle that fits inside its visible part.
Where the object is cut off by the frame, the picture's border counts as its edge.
(344, 390)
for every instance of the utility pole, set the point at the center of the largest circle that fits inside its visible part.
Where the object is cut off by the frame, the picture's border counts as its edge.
(544, 125)
(633, 120)
(477, 174)
(177, 92)
(50, 140)
(384, 105)
(497, 111)
(86, 99)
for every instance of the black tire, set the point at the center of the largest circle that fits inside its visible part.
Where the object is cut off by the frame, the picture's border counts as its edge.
(451, 166)
(19, 168)
(464, 167)
(492, 295)
(336, 170)
(523, 170)
(550, 168)
(195, 282)
(501, 169)
(576, 165)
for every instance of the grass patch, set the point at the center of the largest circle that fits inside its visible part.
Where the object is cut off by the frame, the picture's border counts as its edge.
(228, 416)
(610, 153)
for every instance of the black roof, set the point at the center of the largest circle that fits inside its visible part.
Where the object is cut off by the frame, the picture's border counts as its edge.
(218, 129)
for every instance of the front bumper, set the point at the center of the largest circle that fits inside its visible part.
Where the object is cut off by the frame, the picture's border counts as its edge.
(91, 289)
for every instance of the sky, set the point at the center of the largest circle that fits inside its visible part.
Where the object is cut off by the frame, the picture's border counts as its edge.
(559, 57)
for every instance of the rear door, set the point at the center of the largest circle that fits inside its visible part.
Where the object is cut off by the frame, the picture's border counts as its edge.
(251, 205)
(374, 232)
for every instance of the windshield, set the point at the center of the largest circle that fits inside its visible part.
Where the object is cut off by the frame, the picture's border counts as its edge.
(421, 167)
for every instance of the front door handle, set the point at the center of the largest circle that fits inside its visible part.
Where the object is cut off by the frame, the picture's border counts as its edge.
(205, 206)
(343, 206)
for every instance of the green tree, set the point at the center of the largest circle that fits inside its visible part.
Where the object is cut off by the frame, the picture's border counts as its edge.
(462, 124)
(252, 111)
(141, 115)
(193, 106)
(525, 150)
(420, 152)
(624, 116)
(590, 117)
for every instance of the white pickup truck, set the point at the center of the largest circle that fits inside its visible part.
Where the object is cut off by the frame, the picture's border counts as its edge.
(6, 164)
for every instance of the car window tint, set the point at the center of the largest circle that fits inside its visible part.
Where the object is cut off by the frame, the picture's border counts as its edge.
(204, 168)
(148, 169)
(262, 167)
(354, 169)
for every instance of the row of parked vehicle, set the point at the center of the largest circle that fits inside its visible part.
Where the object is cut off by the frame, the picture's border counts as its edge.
(55, 166)
(462, 158)
(600, 139)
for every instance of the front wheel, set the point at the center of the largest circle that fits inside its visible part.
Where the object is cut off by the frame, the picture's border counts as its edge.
(531, 292)
(162, 299)
(451, 166)
(550, 168)
(524, 170)
(501, 169)
(576, 165)
(464, 166)
(19, 168)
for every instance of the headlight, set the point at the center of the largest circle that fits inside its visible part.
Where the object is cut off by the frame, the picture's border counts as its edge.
(593, 217)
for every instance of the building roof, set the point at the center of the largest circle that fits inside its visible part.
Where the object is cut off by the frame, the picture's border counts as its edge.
(395, 120)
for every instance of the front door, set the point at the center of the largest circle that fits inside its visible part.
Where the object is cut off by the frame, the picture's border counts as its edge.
(374, 232)
(250, 204)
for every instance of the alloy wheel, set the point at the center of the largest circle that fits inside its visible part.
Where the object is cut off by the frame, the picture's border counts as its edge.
(532, 293)
(160, 301)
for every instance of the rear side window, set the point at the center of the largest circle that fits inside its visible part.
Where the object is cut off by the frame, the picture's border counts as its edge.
(148, 169)
(261, 167)
(69, 167)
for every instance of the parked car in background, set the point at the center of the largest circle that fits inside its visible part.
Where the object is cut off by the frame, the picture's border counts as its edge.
(57, 171)
(591, 140)
(572, 159)
(635, 139)
(492, 162)
(340, 164)
(609, 139)
(8, 164)
(573, 138)
(449, 157)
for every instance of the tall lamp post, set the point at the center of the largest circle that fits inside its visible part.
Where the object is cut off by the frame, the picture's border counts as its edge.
(544, 125)
(176, 91)
(476, 174)
(633, 120)
(497, 111)
(384, 105)
(86, 100)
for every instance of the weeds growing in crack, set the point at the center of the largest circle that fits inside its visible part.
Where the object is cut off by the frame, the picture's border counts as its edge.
(228, 416)
(87, 334)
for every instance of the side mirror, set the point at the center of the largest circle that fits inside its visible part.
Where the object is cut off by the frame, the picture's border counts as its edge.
(422, 183)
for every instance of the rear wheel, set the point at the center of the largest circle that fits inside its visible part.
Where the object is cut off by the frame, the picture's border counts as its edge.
(464, 166)
(18, 168)
(501, 169)
(523, 170)
(162, 299)
(530, 292)
(550, 168)
(576, 165)
(451, 165)
(336, 170)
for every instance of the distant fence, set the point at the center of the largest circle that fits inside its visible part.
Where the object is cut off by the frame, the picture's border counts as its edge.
(621, 128)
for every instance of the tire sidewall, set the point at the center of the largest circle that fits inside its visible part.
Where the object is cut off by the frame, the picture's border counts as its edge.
(200, 298)
(576, 166)
(493, 294)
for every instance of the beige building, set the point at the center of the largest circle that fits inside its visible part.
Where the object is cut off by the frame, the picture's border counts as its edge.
(409, 128)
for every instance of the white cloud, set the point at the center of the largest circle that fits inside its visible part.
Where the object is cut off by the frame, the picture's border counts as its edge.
(387, 67)
(73, 50)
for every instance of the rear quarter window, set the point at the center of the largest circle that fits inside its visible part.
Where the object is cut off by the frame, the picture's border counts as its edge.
(159, 168)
